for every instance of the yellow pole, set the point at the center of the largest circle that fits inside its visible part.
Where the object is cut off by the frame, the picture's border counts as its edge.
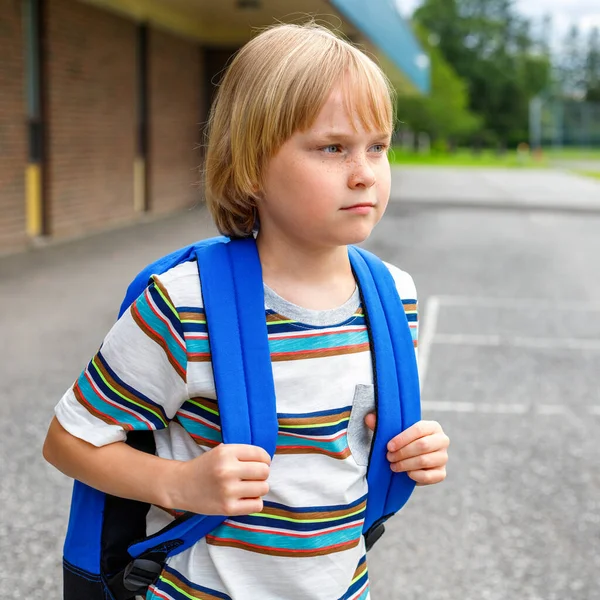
(33, 199)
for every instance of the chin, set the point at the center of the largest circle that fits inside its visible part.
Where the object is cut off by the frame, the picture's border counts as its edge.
(358, 236)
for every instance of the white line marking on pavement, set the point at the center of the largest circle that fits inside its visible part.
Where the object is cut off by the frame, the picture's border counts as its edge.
(518, 341)
(448, 406)
(480, 407)
(430, 319)
(512, 303)
(551, 409)
(503, 409)
(429, 336)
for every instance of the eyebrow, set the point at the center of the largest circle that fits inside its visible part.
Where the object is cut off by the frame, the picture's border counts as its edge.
(344, 137)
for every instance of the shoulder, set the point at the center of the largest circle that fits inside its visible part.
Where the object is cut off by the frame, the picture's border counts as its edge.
(404, 283)
(182, 284)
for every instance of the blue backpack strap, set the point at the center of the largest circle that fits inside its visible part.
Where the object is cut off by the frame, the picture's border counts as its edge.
(233, 297)
(396, 383)
(247, 281)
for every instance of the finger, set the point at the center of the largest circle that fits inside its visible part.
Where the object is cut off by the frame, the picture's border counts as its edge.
(245, 506)
(370, 421)
(433, 460)
(423, 445)
(252, 489)
(428, 476)
(246, 452)
(414, 432)
(253, 471)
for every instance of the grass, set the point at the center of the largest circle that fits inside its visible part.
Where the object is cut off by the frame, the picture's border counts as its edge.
(466, 158)
(594, 174)
(574, 153)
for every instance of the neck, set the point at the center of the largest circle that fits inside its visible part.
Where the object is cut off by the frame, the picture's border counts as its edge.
(317, 278)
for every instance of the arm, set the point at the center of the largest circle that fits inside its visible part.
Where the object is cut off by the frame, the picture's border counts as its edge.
(228, 480)
(116, 469)
(137, 382)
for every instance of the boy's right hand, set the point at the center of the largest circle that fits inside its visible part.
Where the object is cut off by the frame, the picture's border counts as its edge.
(228, 480)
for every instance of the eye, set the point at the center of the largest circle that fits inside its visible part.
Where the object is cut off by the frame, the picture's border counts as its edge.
(331, 149)
(379, 148)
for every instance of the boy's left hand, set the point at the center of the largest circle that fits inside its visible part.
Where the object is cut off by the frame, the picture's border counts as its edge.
(421, 451)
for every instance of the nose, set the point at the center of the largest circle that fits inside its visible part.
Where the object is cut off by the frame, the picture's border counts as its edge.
(361, 174)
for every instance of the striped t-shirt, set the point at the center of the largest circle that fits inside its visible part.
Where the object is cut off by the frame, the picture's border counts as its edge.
(153, 371)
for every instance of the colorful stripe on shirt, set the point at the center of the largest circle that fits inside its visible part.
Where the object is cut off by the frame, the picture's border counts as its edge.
(304, 344)
(110, 399)
(277, 323)
(106, 396)
(359, 588)
(321, 432)
(411, 308)
(156, 316)
(200, 418)
(195, 330)
(291, 340)
(172, 585)
(294, 532)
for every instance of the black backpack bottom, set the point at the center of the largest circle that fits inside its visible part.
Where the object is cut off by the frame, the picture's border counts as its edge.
(81, 585)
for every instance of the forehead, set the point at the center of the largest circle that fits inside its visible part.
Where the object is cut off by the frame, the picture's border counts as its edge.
(351, 106)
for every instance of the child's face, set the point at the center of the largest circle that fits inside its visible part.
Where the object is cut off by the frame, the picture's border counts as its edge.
(328, 185)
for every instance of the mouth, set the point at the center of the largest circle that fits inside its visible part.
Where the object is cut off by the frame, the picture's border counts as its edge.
(362, 208)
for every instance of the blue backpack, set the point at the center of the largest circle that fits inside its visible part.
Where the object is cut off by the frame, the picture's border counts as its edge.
(107, 555)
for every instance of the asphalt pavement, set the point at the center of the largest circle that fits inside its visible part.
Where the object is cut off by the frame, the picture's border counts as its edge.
(530, 189)
(510, 356)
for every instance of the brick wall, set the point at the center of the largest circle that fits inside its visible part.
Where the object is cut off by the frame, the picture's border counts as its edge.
(175, 105)
(13, 131)
(90, 111)
(91, 117)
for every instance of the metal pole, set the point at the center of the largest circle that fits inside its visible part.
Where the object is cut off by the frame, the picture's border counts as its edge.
(535, 123)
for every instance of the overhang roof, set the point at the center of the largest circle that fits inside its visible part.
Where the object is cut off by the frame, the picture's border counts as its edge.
(381, 23)
(225, 23)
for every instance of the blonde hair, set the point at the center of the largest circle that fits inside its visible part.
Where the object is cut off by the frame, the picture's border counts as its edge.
(276, 85)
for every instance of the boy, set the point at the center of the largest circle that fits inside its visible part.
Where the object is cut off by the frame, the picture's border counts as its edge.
(297, 150)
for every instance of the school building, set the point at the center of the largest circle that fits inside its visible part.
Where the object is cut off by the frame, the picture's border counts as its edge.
(102, 101)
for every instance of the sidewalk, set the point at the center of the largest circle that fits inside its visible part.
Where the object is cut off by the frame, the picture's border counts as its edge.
(577, 164)
(535, 189)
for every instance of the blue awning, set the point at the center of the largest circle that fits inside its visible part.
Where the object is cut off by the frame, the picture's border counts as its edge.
(381, 23)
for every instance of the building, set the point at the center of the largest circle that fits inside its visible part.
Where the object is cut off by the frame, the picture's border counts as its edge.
(102, 101)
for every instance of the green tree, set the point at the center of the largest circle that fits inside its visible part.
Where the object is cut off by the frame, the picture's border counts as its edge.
(492, 48)
(571, 66)
(444, 114)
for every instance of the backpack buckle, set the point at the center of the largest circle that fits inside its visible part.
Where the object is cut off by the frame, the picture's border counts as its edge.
(140, 574)
(373, 535)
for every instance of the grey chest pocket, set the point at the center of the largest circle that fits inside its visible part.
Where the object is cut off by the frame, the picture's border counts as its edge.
(359, 435)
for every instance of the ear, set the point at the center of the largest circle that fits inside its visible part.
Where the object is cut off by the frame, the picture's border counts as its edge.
(256, 191)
